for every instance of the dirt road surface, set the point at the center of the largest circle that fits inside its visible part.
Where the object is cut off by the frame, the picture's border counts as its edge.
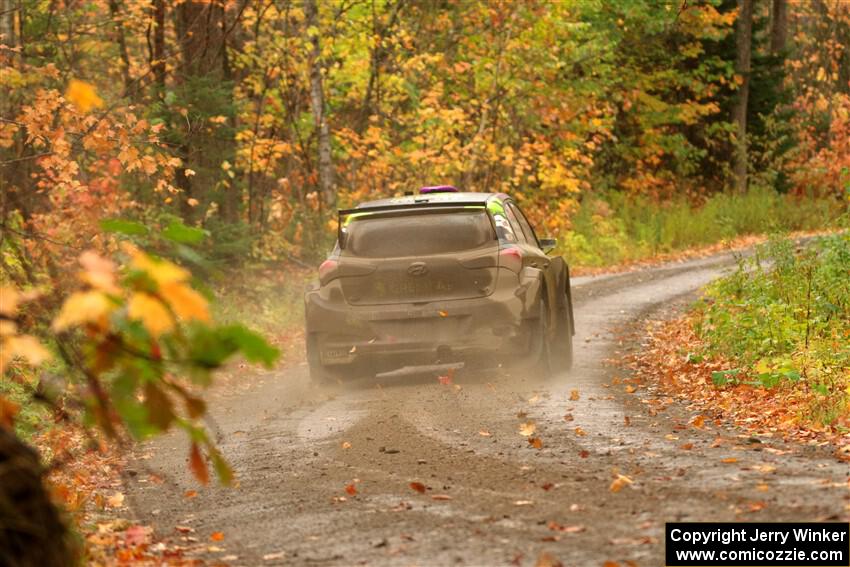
(491, 498)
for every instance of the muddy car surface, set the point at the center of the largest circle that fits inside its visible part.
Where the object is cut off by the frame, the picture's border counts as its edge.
(438, 278)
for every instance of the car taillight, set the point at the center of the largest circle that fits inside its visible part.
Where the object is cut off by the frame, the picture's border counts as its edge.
(327, 270)
(511, 258)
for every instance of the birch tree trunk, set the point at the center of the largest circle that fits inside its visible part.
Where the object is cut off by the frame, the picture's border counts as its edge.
(317, 101)
(744, 34)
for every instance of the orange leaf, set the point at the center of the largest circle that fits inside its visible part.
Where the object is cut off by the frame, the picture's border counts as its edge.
(198, 465)
(351, 489)
(729, 460)
(190, 494)
(698, 421)
(619, 483)
(217, 536)
(418, 487)
(535, 442)
(574, 396)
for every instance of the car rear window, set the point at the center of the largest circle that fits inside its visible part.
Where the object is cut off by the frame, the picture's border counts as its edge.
(418, 233)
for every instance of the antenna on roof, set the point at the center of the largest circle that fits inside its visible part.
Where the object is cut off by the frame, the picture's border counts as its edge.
(438, 189)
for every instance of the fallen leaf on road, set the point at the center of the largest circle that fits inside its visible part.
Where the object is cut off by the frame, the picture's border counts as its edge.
(762, 487)
(574, 395)
(190, 494)
(580, 432)
(627, 421)
(729, 460)
(619, 483)
(548, 486)
(568, 417)
(217, 536)
(584, 454)
(351, 489)
(441, 497)
(116, 500)
(686, 446)
(272, 556)
(630, 389)
(137, 535)
(698, 421)
(546, 559)
(184, 529)
(535, 442)
(484, 433)
(527, 429)
(766, 469)
(346, 445)
(524, 503)
(556, 527)
(418, 487)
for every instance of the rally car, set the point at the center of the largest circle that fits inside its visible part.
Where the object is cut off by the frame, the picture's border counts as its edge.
(438, 277)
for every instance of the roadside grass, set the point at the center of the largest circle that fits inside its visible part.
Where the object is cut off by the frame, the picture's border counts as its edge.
(618, 229)
(766, 347)
(784, 316)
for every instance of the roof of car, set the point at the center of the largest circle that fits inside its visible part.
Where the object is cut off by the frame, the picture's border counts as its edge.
(453, 197)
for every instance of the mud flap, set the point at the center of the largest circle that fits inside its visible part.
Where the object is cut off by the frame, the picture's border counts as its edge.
(529, 290)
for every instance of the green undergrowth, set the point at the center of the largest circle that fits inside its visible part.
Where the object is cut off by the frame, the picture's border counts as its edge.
(784, 315)
(618, 229)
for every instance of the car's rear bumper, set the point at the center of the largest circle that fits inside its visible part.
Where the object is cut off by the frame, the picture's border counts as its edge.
(493, 326)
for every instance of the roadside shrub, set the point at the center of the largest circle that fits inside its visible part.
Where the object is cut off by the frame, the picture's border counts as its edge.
(785, 315)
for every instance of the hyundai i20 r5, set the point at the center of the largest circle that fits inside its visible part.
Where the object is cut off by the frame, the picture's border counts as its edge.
(435, 278)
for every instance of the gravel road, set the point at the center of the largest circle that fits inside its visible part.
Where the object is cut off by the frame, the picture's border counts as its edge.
(491, 498)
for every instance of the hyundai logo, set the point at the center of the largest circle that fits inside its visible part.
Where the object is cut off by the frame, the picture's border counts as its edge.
(417, 269)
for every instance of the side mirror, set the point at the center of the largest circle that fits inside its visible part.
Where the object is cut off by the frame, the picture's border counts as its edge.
(548, 244)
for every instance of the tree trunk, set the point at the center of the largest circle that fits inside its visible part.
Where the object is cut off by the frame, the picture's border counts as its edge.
(32, 532)
(317, 99)
(158, 53)
(8, 9)
(779, 26)
(200, 30)
(122, 45)
(742, 69)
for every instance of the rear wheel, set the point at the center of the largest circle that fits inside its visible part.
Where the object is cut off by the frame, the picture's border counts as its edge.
(561, 346)
(540, 342)
(320, 374)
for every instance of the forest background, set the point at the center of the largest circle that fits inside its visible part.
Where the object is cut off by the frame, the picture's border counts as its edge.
(163, 144)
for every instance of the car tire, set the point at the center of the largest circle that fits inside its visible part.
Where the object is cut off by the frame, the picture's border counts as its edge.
(561, 347)
(320, 374)
(541, 361)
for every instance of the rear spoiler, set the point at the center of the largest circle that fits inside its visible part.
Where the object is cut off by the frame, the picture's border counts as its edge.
(400, 207)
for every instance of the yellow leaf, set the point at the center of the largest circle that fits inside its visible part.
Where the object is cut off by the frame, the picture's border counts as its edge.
(527, 429)
(160, 271)
(185, 301)
(83, 307)
(23, 346)
(82, 95)
(619, 483)
(151, 312)
(574, 395)
(9, 299)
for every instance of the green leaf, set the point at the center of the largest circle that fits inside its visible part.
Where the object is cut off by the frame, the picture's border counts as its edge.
(253, 346)
(182, 234)
(222, 469)
(122, 226)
